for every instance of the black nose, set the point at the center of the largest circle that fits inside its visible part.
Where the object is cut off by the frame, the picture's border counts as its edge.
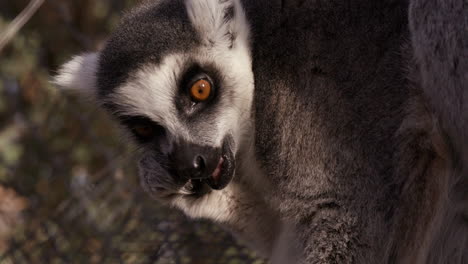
(199, 164)
(192, 161)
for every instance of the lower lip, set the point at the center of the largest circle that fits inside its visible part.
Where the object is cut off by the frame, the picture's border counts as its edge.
(217, 173)
(225, 169)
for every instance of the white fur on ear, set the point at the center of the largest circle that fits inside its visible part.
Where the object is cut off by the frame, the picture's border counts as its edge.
(79, 74)
(212, 19)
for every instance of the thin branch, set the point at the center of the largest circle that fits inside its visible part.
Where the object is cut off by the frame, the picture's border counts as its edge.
(19, 22)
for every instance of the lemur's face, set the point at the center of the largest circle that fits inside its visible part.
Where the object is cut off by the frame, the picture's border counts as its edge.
(177, 75)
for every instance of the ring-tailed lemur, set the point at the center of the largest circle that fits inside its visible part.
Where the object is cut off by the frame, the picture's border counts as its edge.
(320, 131)
(178, 76)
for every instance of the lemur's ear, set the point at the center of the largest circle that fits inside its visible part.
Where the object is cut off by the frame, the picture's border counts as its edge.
(219, 22)
(79, 74)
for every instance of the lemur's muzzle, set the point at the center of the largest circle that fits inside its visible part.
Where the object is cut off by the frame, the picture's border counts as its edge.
(213, 166)
(192, 161)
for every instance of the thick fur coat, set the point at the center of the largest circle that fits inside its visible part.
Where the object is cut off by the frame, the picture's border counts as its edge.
(367, 144)
(352, 139)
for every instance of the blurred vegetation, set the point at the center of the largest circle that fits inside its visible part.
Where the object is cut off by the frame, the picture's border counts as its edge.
(69, 192)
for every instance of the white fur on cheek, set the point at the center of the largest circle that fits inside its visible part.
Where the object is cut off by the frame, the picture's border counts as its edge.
(79, 74)
(236, 119)
(150, 92)
(226, 44)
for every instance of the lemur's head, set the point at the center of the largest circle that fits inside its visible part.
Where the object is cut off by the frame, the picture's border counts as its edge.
(177, 75)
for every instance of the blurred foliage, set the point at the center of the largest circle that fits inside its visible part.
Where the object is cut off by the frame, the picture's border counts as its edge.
(69, 192)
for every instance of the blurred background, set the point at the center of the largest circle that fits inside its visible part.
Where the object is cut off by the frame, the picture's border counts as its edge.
(69, 192)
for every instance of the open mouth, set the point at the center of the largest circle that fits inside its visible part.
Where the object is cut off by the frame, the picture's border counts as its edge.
(223, 173)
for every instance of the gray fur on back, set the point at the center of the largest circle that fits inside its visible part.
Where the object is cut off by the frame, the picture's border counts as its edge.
(352, 127)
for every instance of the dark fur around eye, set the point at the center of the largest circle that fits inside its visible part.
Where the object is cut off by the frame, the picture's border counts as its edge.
(193, 73)
(143, 129)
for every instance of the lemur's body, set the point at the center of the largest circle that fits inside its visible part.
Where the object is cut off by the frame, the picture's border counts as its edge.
(328, 137)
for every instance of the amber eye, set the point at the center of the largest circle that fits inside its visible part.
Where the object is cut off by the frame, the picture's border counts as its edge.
(200, 90)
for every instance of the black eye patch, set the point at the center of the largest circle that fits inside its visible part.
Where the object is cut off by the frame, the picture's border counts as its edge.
(143, 129)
